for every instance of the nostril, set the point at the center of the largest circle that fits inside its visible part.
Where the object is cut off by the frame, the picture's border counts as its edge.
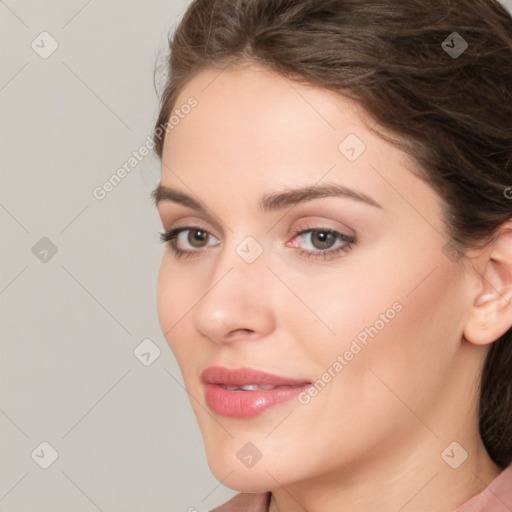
(243, 333)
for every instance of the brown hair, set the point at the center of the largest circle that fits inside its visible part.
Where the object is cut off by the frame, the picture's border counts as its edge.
(451, 113)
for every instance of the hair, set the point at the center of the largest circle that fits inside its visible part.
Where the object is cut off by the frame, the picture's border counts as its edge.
(451, 114)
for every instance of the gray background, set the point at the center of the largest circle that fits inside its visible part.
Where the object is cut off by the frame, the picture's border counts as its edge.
(71, 322)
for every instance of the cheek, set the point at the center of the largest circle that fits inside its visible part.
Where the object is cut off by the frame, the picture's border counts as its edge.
(166, 300)
(174, 299)
(393, 320)
(405, 363)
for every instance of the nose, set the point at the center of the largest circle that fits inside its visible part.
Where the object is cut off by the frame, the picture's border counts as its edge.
(237, 302)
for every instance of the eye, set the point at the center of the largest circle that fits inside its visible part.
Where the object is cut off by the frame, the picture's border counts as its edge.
(322, 241)
(196, 238)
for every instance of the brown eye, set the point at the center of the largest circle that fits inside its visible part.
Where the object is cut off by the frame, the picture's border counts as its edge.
(188, 241)
(322, 239)
(196, 237)
(323, 244)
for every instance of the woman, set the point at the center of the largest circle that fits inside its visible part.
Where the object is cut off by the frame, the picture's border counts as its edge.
(336, 285)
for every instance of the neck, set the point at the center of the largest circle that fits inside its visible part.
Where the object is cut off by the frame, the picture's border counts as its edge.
(407, 482)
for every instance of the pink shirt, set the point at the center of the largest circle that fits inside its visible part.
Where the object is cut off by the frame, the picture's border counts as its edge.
(496, 497)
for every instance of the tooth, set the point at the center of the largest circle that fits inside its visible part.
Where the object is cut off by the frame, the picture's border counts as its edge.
(250, 387)
(256, 387)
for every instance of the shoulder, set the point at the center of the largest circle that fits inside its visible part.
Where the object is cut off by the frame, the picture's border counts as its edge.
(246, 502)
(496, 497)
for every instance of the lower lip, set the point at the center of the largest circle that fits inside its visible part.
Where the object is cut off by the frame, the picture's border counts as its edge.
(246, 404)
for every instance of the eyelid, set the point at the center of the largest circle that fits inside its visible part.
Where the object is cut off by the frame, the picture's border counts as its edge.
(339, 236)
(318, 223)
(176, 231)
(174, 214)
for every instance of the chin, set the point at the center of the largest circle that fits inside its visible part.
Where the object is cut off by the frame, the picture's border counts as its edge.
(248, 482)
(255, 479)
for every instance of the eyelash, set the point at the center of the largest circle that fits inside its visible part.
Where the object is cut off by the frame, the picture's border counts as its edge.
(171, 236)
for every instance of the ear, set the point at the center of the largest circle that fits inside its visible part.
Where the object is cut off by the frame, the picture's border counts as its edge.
(491, 313)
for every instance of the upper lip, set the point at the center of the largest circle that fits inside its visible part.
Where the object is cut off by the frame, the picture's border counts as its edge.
(244, 376)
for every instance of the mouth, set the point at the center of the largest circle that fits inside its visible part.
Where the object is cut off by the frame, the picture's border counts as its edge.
(255, 387)
(244, 392)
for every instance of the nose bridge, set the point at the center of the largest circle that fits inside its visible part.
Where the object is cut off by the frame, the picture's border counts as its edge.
(238, 296)
(243, 258)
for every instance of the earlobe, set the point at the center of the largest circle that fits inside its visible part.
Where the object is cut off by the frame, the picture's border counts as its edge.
(483, 298)
(491, 317)
(487, 321)
(491, 312)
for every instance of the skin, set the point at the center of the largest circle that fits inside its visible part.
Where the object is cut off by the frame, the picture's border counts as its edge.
(372, 438)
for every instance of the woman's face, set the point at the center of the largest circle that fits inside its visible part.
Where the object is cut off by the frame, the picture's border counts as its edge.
(364, 301)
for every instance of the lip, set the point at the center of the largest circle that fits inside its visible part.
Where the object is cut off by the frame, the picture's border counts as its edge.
(246, 404)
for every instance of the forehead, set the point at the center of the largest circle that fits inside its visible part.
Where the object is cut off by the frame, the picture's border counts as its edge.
(252, 101)
(256, 130)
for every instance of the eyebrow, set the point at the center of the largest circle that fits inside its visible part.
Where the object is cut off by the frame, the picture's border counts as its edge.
(271, 202)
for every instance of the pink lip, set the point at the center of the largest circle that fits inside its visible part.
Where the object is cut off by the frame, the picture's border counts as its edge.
(246, 404)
